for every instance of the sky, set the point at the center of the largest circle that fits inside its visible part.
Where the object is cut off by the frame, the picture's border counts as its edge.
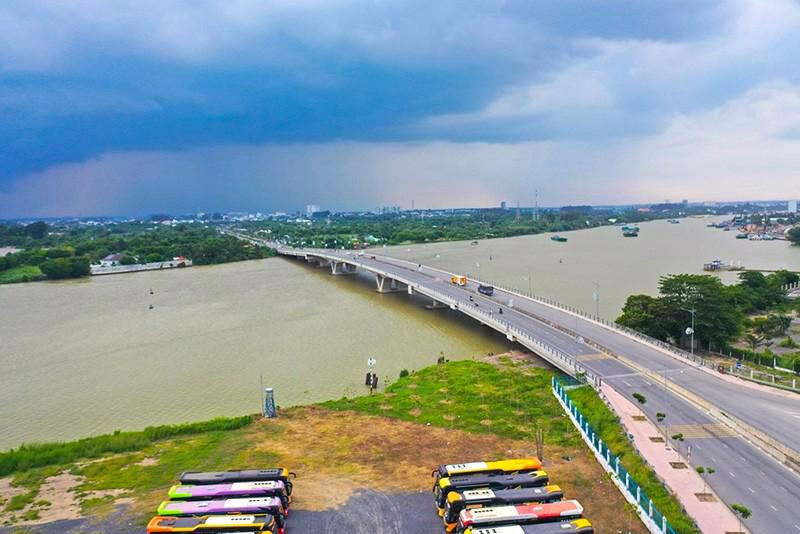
(143, 106)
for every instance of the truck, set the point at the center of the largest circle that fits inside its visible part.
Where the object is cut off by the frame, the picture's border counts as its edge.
(485, 290)
(459, 280)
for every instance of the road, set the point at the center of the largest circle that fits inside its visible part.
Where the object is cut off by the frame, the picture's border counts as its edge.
(744, 473)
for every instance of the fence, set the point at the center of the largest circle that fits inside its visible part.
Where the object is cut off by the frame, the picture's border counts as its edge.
(654, 520)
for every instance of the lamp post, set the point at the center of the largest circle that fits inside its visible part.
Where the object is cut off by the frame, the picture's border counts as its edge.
(690, 330)
(596, 298)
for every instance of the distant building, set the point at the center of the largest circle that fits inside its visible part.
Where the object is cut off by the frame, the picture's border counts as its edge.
(389, 210)
(111, 260)
(503, 205)
(792, 208)
(311, 209)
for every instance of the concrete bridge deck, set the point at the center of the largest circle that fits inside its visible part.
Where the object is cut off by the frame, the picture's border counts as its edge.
(755, 419)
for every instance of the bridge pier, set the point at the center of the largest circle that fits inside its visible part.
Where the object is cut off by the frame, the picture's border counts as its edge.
(340, 267)
(388, 285)
(435, 305)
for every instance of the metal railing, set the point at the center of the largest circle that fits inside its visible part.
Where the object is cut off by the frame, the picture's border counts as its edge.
(653, 519)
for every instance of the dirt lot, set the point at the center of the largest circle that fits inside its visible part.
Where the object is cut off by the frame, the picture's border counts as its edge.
(371, 474)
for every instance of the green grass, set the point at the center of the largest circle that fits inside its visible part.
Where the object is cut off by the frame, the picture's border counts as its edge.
(608, 427)
(479, 397)
(23, 273)
(28, 457)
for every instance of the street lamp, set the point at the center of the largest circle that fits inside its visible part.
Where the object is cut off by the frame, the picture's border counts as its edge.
(690, 331)
(596, 298)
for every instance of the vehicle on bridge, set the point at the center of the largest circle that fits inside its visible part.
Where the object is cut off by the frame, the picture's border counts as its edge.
(211, 524)
(522, 514)
(486, 289)
(459, 280)
(447, 485)
(579, 526)
(485, 497)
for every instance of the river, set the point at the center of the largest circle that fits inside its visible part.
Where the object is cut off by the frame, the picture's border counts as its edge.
(90, 356)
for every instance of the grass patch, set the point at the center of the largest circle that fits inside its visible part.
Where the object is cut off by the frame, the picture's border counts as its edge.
(27, 457)
(22, 273)
(608, 427)
(475, 397)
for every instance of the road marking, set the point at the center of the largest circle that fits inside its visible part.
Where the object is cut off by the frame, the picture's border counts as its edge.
(797, 527)
(649, 384)
(773, 507)
(751, 490)
(628, 384)
(731, 474)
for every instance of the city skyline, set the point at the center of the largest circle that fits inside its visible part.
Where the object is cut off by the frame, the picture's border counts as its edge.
(136, 107)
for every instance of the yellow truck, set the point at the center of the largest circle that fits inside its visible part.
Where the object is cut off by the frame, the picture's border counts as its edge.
(459, 280)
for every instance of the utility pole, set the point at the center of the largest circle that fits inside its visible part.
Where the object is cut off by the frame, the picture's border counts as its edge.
(535, 204)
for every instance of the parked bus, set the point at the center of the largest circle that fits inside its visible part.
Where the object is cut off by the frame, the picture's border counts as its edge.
(482, 498)
(215, 524)
(579, 526)
(458, 476)
(242, 475)
(264, 488)
(256, 505)
(521, 514)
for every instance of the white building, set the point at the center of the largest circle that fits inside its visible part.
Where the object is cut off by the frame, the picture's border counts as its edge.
(792, 206)
(311, 209)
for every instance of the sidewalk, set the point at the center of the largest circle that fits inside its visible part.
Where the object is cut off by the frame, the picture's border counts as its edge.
(712, 517)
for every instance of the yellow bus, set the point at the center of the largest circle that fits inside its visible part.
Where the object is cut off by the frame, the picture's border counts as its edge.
(500, 467)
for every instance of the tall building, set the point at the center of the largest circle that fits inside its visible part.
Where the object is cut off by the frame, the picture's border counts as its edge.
(503, 205)
(311, 209)
(792, 208)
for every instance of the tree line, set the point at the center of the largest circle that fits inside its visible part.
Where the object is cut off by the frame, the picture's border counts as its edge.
(721, 312)
(56, 252)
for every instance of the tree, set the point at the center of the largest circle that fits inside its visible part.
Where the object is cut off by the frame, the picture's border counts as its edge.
(704, 472)
(646, 314)
(742, 511)
(37, 230)
(640, 398)
(794, 235)
(679, 438)
(127, 259)
(72, 267)
(660, 416)
(753, 340)
(717, 320)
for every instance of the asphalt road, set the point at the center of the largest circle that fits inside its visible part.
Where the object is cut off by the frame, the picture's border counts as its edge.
(744, 474)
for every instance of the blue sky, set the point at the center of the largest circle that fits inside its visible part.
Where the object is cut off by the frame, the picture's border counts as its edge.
(137, 106)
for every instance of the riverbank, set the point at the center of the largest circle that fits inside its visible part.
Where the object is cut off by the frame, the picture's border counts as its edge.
(340, 450)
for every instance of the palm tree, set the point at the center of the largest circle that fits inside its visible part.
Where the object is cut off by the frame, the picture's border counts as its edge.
(753, 340)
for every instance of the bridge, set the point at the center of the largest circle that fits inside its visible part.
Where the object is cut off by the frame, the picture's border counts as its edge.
(749, 433)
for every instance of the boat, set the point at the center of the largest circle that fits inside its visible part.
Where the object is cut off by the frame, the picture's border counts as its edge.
(558, 238)
(741, 236)
(754, 237)
(628, 228)
(719, 265)
(630, 233)
(673, 221)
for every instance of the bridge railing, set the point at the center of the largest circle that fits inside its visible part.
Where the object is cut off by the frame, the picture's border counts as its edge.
(664, 346)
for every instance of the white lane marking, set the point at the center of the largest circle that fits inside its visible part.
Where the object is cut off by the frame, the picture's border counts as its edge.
(649, 384)
(628, 384)
(731, 474)
(751, 490)
(713, 459)
(797, 527)
(773, 507)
